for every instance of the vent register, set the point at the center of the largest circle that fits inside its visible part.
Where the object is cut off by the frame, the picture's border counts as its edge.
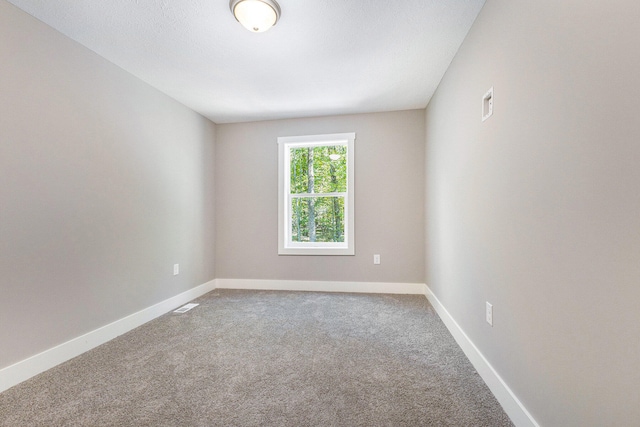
(185, 308)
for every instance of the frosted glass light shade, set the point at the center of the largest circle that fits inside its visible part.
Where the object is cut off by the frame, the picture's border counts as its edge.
(256, 15)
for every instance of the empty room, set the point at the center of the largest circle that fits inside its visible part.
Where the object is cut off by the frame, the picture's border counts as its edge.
(319, 213)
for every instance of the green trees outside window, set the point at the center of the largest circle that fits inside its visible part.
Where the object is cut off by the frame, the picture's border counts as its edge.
(318, 183)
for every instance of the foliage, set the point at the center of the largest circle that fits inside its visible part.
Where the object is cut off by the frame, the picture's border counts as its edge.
(317, 212)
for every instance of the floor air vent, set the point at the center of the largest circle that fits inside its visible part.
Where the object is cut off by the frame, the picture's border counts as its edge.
(185, 308)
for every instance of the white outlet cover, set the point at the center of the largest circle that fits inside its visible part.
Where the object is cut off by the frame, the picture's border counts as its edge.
(489, 313)
(176, 269)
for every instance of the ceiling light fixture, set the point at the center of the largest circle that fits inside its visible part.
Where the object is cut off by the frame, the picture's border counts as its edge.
(256, 15)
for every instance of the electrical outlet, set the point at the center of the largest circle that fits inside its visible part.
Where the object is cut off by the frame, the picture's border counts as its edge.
(176, 269)
(489, 313)
(376, 259)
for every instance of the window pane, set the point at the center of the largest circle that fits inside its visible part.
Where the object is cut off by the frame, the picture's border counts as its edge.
(317, 219)
(319, 169)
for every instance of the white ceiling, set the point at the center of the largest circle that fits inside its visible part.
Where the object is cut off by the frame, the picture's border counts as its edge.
(323, 57)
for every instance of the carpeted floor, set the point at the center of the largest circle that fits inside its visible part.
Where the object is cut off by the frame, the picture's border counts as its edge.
(267, 358)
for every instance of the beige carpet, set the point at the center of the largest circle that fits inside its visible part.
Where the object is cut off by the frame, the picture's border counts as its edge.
(266, 358)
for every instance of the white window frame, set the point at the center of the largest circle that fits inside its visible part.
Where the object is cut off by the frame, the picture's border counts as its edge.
(285, 245)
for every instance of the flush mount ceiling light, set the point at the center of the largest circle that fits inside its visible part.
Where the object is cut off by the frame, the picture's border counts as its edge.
(256, 15)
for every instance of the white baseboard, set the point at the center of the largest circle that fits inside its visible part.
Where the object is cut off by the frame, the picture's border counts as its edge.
(25, 369)
(322, 286)
(509, 401)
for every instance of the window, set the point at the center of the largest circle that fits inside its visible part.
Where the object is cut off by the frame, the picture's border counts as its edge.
(316, 195)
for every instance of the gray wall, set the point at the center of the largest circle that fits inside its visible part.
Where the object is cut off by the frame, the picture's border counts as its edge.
(537, 210)
(389, 174)
(105, 183)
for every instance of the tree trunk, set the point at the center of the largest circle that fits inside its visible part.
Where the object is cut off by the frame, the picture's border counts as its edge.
(337, 230)
(312, 201)
(298, 213)
(295, 202)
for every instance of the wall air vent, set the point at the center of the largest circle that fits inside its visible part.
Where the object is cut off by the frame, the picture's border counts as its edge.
(487, 105)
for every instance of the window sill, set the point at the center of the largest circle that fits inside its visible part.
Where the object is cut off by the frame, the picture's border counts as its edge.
(317, 251)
